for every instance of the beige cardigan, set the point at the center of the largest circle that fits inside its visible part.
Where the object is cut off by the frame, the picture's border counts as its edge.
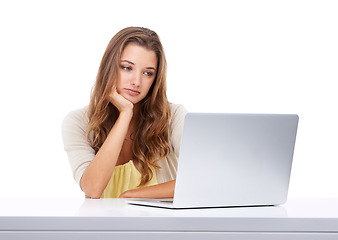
(80, 153)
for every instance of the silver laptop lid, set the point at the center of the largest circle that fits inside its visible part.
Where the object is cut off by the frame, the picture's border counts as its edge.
(235, 159)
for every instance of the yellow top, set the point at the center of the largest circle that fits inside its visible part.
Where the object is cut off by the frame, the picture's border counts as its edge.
(125, 177)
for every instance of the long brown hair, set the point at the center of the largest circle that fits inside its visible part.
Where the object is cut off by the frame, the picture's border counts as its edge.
(151, 141)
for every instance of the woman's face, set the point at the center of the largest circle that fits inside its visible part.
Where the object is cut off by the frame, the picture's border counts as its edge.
(137, 72)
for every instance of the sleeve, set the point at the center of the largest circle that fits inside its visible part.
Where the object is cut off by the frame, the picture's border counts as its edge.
(177, 122)
(78, 149)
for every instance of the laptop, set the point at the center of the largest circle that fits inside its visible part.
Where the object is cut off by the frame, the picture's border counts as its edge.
(232, 160)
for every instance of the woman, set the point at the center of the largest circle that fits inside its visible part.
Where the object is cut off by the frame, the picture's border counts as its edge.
(126, 142)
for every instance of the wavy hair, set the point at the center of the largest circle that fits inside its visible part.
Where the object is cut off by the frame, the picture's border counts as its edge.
(151, 141)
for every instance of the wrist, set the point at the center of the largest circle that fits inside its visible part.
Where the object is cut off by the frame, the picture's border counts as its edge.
(127, 114)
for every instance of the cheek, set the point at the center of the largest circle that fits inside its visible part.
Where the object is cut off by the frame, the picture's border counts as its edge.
(149, 84)
(121, 79)
(118, 84)
(146, 88)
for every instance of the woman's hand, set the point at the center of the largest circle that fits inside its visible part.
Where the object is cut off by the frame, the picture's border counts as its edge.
(127, 194)
(162, 190)
(120, 102)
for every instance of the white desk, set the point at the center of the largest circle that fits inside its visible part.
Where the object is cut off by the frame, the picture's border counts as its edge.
(114, 219)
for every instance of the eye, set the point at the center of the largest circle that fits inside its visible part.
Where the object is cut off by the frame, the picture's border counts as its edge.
(149, 74)
(126, 68)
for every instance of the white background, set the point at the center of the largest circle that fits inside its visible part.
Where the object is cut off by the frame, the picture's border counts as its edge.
(223, 56)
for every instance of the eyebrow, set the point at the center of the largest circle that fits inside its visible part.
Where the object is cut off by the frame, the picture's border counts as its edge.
(134, 64)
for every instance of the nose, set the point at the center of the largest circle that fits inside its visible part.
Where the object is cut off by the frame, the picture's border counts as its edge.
(136, 79)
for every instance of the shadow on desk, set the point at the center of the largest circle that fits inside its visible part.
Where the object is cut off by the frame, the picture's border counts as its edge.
(120, 207)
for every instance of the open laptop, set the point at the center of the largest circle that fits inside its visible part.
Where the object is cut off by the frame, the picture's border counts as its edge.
(229, 160)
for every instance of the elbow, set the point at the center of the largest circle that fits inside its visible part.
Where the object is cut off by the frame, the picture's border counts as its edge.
(92, 194)
(91, 190)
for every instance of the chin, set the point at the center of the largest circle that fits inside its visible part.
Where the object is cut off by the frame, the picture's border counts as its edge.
(131, 99)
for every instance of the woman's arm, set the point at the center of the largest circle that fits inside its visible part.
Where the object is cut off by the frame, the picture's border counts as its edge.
(97, 175)
(162, 190)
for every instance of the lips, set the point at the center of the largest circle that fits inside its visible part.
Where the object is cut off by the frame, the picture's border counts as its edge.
(132, 92)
